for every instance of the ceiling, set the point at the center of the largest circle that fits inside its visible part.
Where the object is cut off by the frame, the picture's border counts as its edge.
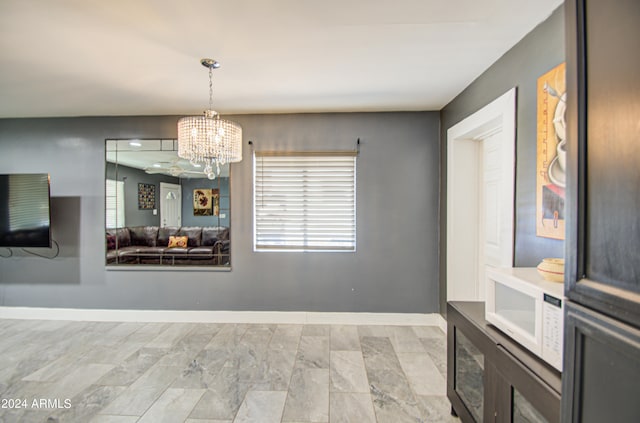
(155, 157)
(142, 57)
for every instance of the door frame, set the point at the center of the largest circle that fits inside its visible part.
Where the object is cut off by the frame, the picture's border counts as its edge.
(464, 155)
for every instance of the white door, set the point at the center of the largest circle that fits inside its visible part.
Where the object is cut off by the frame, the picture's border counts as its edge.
(491, 210)
(170, 204)
(490, 205)
(480, 197)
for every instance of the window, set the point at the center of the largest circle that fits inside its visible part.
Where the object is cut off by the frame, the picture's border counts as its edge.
(305, 201)
(114, 204)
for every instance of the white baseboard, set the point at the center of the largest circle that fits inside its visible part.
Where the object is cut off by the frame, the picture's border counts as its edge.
(203, 316)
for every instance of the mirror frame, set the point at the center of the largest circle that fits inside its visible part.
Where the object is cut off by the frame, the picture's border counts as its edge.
(150, 243)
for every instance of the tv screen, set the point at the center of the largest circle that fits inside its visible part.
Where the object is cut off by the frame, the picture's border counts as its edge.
(25, 216)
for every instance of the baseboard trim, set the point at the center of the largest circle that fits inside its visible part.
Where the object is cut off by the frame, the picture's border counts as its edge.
(204, 316)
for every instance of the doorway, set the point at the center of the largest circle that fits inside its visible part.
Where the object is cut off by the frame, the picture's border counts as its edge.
(480, 197)
(170, 205)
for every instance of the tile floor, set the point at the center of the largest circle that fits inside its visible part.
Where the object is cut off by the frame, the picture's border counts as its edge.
(57, 371)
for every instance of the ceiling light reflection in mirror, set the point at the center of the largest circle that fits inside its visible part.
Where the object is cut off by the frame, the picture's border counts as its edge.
(160, 157)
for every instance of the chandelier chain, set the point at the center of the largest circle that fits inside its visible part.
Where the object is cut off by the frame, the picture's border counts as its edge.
(210, 87)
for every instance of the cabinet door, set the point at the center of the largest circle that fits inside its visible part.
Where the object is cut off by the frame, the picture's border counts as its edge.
(469, 375)
(470, 387)
(601, 383)
(603, 194)
(525, 397)
(466, 373)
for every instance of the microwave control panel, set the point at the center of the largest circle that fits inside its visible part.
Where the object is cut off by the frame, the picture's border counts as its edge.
(552, 330)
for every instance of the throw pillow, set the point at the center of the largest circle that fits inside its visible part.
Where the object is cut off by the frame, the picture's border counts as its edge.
(111, 242)
(178, 241)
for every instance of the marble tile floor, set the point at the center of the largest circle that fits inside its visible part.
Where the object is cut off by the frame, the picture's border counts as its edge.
(110, 372)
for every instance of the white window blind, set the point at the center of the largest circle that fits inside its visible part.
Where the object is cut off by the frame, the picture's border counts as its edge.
(114, 204)
(305, 201)
(28, 201)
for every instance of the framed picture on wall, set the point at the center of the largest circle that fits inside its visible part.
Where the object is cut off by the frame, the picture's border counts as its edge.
(206, 202)
(551, 154)
(146, 196)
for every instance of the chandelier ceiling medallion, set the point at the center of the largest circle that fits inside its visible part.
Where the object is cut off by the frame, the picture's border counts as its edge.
(209, 140)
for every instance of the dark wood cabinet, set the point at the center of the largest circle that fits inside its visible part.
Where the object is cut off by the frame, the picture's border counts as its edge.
(490, 378)
(602, 276)
(602, 385)
(603, 156)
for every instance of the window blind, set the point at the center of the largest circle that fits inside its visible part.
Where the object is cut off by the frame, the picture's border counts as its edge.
(114, 204)
(305, 201)
(26, 206)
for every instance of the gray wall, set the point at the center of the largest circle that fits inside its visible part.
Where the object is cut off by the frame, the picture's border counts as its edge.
(188, 185)
(395, 268)
(541, 50)
(131, 178)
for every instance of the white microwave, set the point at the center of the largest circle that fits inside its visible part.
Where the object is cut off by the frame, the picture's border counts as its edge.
(528, 309)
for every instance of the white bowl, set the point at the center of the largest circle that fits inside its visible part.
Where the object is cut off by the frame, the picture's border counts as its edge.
(552, 269)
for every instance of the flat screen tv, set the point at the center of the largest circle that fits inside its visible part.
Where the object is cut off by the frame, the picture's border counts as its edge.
(25, 213)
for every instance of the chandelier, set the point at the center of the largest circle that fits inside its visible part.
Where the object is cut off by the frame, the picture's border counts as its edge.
(209, 141)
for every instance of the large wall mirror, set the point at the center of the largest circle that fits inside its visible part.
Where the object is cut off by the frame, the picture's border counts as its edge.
(163, 211)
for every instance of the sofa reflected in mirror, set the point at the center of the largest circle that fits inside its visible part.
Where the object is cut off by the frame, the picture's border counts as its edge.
(208, 246)
(161, 211)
